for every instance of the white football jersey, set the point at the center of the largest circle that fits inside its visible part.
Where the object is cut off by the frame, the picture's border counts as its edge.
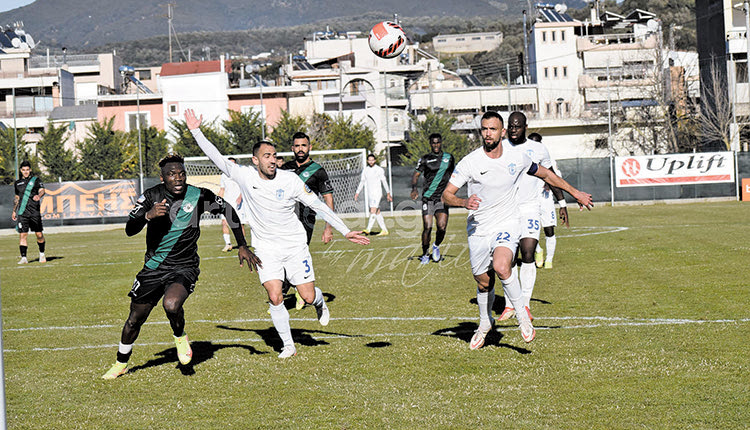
(530, 187)
(495, 181)
(270, 203)
(231, 190)
(373, 177)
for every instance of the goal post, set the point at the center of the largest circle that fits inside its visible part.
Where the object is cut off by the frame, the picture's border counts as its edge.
(344, 168)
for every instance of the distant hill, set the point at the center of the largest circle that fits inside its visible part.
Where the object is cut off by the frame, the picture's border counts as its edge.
(79, 24)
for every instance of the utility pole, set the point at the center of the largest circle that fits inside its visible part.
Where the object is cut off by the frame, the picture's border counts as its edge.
(169, 30)
(525, 50)
(15, 132)
(429, 85)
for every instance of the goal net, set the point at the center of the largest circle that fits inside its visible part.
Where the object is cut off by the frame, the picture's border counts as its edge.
(344, 168)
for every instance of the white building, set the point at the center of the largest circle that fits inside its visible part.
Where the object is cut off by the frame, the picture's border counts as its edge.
(466, 42)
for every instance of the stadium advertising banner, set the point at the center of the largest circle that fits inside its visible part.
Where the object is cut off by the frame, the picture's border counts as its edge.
(88, 199)
(674, 169)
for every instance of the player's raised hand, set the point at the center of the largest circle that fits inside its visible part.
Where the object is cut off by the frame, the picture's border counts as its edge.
(357, 237)
(584, 200)
(472, 203)
(159, 209)
(191, 120)
(253, 262)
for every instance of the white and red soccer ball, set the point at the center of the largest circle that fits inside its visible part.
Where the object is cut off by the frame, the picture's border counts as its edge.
(387, 39)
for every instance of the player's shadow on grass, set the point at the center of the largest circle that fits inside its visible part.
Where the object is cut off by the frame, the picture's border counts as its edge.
(52, 258)
(301, 336)
(378, 344)
(290, 300)
(465, 330)
(202, 351)
(499, 304)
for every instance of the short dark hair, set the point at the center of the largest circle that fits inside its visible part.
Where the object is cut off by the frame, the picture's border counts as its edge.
(300, 135)
(257, 146)
(171, 158)
(535, 137)
(492, 114)
(372, 155)
(24, 163)
(437, 136)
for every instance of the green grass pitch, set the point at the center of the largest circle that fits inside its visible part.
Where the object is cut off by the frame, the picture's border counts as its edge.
(642, 323)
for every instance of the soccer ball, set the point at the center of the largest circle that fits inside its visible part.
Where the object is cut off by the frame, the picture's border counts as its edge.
(387, 39)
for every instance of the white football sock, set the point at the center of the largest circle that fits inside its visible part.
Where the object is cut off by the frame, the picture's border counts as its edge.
(551, 244)
(226, 239)
(528, 279)
(124, 349)
(319, 300)
(381, 222)
(370, 222)
(512, 291)
(538, 248)
(482, 301)
(280, 318)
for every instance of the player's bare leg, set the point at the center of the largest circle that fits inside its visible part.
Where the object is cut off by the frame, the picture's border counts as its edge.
(41, 244)
(312, 295)
(174, 298)
(441, 222)
(426, 236)
(485, 301)
(502, 260)
(139, 313)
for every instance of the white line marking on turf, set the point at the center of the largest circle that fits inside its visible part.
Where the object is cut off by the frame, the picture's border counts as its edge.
(603, 322)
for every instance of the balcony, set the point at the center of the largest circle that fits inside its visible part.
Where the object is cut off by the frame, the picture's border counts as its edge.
(737, 41)
(620, 41)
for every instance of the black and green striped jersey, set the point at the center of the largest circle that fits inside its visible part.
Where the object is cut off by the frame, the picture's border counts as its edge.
(436, 169)
(172, 241)
(316, 179)
(26, 189)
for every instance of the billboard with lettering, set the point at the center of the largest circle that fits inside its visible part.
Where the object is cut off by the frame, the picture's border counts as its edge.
(88, 199)
(674, 169)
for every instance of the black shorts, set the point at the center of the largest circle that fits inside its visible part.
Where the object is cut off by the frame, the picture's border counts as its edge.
(26, 223)
(431, 207)
(150, 284)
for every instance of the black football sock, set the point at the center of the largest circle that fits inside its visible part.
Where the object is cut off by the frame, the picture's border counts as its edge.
(23, 250)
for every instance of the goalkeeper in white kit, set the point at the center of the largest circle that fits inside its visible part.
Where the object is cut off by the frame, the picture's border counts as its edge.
(279, 239)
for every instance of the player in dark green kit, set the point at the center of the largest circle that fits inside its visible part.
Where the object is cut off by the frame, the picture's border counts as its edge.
(26, 213)
(316, 179)
(172, 211)
(437, 167)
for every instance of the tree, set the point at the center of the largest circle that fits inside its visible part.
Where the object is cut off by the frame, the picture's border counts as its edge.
(59, 162)
(284, 130)
(456, 144)
(345, 133)
(8, 154)
(102, 152)
(717, 116)
(154, 146)
(244, 131)
(186, 146)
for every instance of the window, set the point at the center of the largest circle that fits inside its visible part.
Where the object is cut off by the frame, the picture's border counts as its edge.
(172, 109)
(554, 71)
(553, 35)
(144, 74)
(567, 107)
(459, 39)
(741, 71)
(562, 35)
(557, 109)
(441, 41)
(565, 71)
(549, 108)
(546, 72)
(544, 36)
(132, 120)
(601, 143)
(476, 38)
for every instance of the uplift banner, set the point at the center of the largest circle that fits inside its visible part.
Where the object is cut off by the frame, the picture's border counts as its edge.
(88, 199)
(674, 169)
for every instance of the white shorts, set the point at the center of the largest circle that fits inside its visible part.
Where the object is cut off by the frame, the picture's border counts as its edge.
(481, 247)
(373, 200)
(531, 223)
(293, 264)
(241, 214)
(547, 211)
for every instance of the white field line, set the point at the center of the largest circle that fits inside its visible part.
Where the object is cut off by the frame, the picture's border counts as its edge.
(600, 322)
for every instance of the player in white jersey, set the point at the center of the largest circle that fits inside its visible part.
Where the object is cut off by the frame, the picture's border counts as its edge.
(529, 190)
(373, 177)
(279, 239)
(548, 218)
(230, 192)
(493, 225)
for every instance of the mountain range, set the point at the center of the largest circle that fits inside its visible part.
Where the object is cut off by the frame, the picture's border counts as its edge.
(83, 24)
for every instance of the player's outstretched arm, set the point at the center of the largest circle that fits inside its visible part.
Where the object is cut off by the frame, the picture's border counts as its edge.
(193, 124)
(584, 199)
(357, 237)
(253, 262)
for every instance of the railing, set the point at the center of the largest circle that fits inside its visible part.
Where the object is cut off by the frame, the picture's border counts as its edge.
(42, 61)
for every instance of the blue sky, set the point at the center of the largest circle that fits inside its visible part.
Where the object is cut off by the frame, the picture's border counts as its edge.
(12, 4)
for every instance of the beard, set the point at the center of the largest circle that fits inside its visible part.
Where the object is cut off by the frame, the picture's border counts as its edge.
(489, 147)
(301, 156)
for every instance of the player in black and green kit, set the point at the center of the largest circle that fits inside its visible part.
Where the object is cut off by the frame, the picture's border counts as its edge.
(26, 214)
(437, 167)
(316, 179)
(172, 211)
